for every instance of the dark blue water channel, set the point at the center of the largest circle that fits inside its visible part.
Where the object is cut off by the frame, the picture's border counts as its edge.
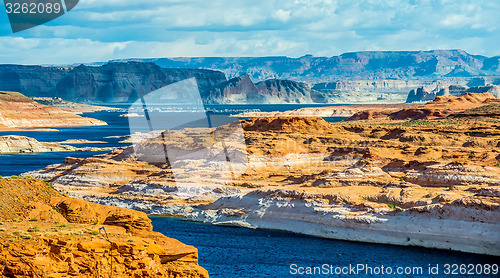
(228, 252)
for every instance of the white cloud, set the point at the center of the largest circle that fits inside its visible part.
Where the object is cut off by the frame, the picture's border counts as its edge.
(282, 15)
(103, 30)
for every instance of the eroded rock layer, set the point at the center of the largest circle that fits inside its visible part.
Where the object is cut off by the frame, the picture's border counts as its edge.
(406, 182)
(18, 112)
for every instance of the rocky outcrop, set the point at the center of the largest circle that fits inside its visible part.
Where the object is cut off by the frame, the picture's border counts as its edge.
(275, 90)
(45, 234)
(18, 112)
(440, 107)
(242, 90)
(454, 90)
(23, 144)
(236, 90)
(422, 95)
(113, 82)
(357, 216)
(12, 144)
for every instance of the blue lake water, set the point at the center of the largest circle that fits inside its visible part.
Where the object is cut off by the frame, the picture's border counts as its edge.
(228, 252)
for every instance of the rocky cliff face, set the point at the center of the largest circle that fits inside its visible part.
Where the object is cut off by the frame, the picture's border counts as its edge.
(353, 66)
(114, 82)
(289, 91)
(126, 82)
(242, 90)
(45, 234)
(236, 90)
(420, 94)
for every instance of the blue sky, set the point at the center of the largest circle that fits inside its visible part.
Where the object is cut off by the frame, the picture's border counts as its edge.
(111, 29)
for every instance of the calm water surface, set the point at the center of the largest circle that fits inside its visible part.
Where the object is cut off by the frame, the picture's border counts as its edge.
(238, 252)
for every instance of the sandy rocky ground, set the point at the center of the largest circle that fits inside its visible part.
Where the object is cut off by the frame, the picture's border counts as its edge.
(425, 175)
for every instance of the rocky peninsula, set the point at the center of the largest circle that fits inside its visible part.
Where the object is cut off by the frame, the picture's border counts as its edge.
(18, 112)
(13, 144)
(69, 106)
(46, 234)
(406, 180)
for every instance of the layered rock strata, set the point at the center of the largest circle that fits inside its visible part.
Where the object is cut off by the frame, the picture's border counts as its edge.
(399, 182)
(46, 234)
(20, 112)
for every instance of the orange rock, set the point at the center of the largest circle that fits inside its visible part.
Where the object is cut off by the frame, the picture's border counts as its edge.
(79, 249)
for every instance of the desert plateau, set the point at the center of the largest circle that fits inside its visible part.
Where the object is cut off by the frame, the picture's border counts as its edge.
(417, 175)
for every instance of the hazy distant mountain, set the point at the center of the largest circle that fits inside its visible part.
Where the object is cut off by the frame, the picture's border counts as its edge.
(352, 66)
(358, 77)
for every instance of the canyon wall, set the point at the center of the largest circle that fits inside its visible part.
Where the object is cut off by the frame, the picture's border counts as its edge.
(111, 83)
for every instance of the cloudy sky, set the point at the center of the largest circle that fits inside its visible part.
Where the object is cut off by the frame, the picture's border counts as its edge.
(100, 30)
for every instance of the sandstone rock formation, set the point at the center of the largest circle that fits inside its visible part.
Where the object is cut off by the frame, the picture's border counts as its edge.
(18, 112)
(45, 234)
(398, 182)
(23, 144)
(420, 94)
(241, 89)
(440, 107)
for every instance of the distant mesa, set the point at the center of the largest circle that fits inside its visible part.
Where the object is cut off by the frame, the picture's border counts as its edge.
(242, 90)
(364, 65)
